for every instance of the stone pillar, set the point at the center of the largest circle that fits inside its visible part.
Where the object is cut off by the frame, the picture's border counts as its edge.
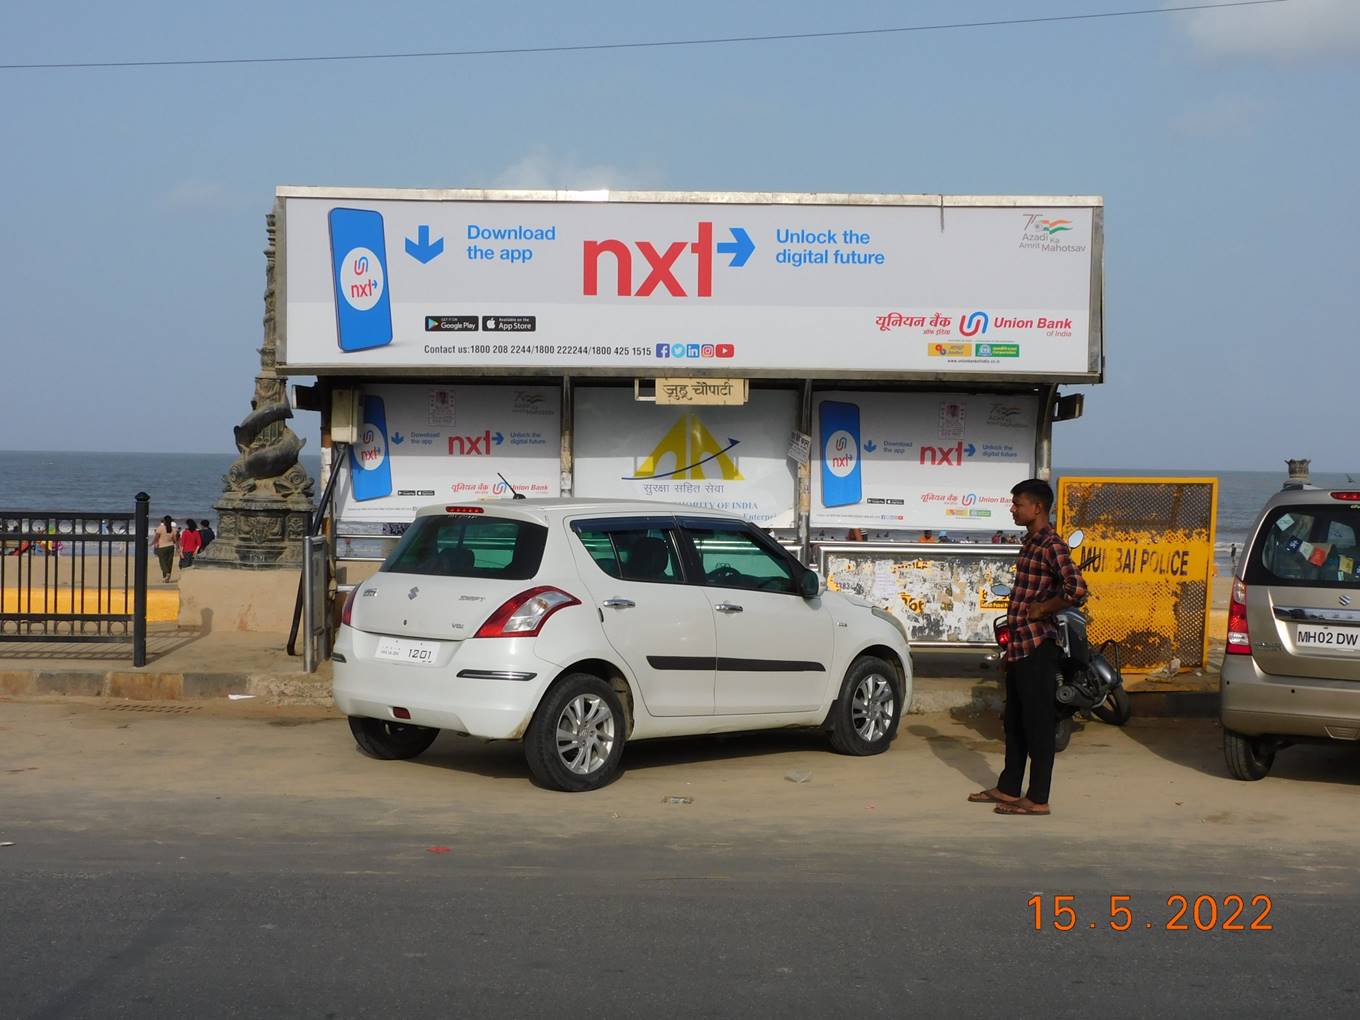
(266, 502)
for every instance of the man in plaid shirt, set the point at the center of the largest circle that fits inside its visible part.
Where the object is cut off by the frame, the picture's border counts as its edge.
(1046, 581)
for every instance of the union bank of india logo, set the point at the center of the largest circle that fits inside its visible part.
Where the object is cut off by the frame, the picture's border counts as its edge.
(689, 452)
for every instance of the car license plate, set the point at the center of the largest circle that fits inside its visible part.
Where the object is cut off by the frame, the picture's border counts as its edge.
(415, 653)
(1331, 640)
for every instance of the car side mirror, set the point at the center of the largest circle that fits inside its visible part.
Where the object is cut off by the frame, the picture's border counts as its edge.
(809, 584)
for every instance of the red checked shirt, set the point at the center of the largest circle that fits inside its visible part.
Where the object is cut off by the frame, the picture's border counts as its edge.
(1043, 571)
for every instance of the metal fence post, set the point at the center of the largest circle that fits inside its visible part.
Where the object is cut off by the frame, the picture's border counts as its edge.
(308, 606)
(139, 581)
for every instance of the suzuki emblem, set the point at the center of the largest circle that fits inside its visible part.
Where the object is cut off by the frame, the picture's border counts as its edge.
(1345, 600)
(413, 593)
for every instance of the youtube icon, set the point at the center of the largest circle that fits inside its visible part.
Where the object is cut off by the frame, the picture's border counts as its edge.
(725, 350)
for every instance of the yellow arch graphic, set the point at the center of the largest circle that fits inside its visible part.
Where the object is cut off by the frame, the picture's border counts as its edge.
(689, 442)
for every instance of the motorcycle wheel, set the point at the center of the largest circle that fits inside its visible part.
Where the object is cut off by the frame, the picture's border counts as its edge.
(1062, 736)
(1115, 709)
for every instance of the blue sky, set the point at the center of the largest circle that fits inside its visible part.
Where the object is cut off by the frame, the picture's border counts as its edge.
(1224, 143)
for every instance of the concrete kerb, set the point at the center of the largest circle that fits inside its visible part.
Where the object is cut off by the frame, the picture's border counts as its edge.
(929, 695)
(150, 685)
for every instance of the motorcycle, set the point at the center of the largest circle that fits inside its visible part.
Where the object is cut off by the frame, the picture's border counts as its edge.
(1089, 683)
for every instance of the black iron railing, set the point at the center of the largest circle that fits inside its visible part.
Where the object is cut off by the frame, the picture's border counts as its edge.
(338, 452)
(74, 576)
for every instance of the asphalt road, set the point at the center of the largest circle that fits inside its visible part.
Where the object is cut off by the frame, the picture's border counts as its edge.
(151, 877)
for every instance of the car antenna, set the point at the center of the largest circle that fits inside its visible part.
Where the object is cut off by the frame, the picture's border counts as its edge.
(513, 493)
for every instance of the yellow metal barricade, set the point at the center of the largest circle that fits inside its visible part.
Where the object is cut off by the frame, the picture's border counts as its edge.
(1153, 543)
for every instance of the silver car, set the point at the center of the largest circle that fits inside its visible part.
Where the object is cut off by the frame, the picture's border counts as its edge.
(1291, 671)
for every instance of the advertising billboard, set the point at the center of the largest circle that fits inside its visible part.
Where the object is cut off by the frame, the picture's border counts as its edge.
(734, 285)
(722, 458)
(919, 460)
(445, 444)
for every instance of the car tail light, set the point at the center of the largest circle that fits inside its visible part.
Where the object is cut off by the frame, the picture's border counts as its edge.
(526, 613)
(463, 510)
(349, 605)
(1239, 641)
(1347, 497)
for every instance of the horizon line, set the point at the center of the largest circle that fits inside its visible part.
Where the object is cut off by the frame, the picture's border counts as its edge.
(315, 453)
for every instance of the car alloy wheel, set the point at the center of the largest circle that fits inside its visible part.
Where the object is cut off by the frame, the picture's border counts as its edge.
(872, 708)
(585, 734)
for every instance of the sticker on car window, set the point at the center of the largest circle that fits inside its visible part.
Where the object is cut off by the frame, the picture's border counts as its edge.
(1285, 521)
(1319, 554)
(1346, 565)
(1294, 545)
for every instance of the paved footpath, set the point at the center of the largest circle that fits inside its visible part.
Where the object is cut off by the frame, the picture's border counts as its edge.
(176, 859)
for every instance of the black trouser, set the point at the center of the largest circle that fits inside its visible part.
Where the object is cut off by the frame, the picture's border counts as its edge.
(1031, 719)
(166, 554)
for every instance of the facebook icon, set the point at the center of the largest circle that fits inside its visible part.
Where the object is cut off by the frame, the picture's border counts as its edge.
(663, 350)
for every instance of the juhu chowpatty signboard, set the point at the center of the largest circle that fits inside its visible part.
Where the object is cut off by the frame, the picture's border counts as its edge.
(674, 284)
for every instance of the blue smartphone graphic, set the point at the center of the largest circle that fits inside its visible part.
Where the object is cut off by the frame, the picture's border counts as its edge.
(370, 465)
(838, 425)
(363, 305)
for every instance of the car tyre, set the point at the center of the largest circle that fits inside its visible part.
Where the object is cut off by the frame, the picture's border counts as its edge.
(575, 741)
(1248, 759)
(390, 741)
(867, 712)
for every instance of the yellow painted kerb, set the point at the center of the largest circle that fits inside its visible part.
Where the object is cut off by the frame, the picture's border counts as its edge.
(162, 604)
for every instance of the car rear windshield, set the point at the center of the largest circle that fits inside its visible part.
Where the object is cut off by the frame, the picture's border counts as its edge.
(467, 546)
(1314, 546)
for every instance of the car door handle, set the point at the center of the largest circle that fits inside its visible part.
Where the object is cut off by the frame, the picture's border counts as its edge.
(728, 607)
(617, 603)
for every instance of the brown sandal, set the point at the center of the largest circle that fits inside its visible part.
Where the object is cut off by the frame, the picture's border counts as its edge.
(990, 797)
(1022, 807)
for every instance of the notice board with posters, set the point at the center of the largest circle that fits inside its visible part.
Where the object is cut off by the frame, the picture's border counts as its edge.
(1151, 543)
(424, 444)
(648, 283)
(942, 461)
(732, 458)
(942, 594)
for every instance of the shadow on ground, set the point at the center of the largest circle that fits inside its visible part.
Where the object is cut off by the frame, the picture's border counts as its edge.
(114, 652)
(502, 759)
(1198, 744)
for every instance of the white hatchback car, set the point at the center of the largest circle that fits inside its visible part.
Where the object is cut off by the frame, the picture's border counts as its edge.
(577, 625)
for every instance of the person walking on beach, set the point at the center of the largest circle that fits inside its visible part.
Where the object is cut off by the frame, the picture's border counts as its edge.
(163, 541)
(189, 543)
(1046, 580)
(205, 534)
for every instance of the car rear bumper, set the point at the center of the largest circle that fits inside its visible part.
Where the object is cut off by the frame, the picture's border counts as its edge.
(1255, 703)
(487, 687)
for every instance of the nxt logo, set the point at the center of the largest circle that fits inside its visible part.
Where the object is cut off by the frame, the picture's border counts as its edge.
(689, 452)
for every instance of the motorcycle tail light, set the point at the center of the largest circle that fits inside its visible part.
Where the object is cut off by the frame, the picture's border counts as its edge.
(1239, 639)
(1003, 636)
